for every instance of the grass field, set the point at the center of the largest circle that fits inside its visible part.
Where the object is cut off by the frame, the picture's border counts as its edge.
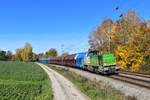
(23, 81)
(94, 90)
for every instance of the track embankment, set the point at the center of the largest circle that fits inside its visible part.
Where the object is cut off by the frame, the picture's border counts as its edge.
(128, 89)
(62, 88)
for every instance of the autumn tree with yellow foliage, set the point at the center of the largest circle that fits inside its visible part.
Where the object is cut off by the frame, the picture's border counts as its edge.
(24, 54)
(17, 56)
(27, 52)
(129, 40)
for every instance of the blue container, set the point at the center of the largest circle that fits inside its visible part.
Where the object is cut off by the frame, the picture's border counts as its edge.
(43, 60)
(48, 60)
(40, 59)
(79, 59)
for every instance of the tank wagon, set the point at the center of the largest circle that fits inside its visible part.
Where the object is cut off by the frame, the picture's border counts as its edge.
(91, 61)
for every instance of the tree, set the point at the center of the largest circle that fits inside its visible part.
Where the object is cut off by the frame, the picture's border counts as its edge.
(27, 52)
(51, 53)
(129, 37)
(13, 58)
(40, 55)
(99, 39)
(132, 55)
(130, 40)
(17, 56)
(34, 56)
(65, 54)
(9, 55)
(3, 55)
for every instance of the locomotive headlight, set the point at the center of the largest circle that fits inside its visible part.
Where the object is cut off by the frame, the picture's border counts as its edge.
(117, 67)
(105, 69)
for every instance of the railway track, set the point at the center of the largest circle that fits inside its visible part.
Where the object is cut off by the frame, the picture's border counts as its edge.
(133, 79)
(141, 80)
(135, 74)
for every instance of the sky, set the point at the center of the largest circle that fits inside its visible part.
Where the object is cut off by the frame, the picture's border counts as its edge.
(61, 24)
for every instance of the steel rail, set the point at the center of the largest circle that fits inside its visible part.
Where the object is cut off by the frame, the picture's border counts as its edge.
(135, 74)
(134, 81)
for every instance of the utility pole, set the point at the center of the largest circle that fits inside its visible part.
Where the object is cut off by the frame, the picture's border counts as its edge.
(62, 48)
(109, 31)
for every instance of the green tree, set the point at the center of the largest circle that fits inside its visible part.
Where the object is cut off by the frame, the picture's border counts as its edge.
(17, 56)
(3, 55)
(51, 53)
(34, 56)
(9, 55)
(27, 52)
(65, 54)
(13, 58)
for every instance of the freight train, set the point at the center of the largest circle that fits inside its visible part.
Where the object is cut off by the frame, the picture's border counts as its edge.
(91, 61)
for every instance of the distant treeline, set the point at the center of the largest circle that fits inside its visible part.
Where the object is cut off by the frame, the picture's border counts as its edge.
(26, 53)
(5, 55)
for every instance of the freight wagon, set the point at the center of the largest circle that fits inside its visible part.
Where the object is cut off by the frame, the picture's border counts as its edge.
(91, 61)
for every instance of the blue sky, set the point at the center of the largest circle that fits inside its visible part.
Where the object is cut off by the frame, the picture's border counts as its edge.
(49, 24)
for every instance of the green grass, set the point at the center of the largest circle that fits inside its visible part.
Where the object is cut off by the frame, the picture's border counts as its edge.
(23, 81)
(94, 90)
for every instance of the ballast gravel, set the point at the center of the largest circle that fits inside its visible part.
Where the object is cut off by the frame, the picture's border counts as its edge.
(62, 88)
(126, 88)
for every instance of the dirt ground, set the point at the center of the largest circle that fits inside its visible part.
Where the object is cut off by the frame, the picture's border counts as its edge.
(63, 89)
